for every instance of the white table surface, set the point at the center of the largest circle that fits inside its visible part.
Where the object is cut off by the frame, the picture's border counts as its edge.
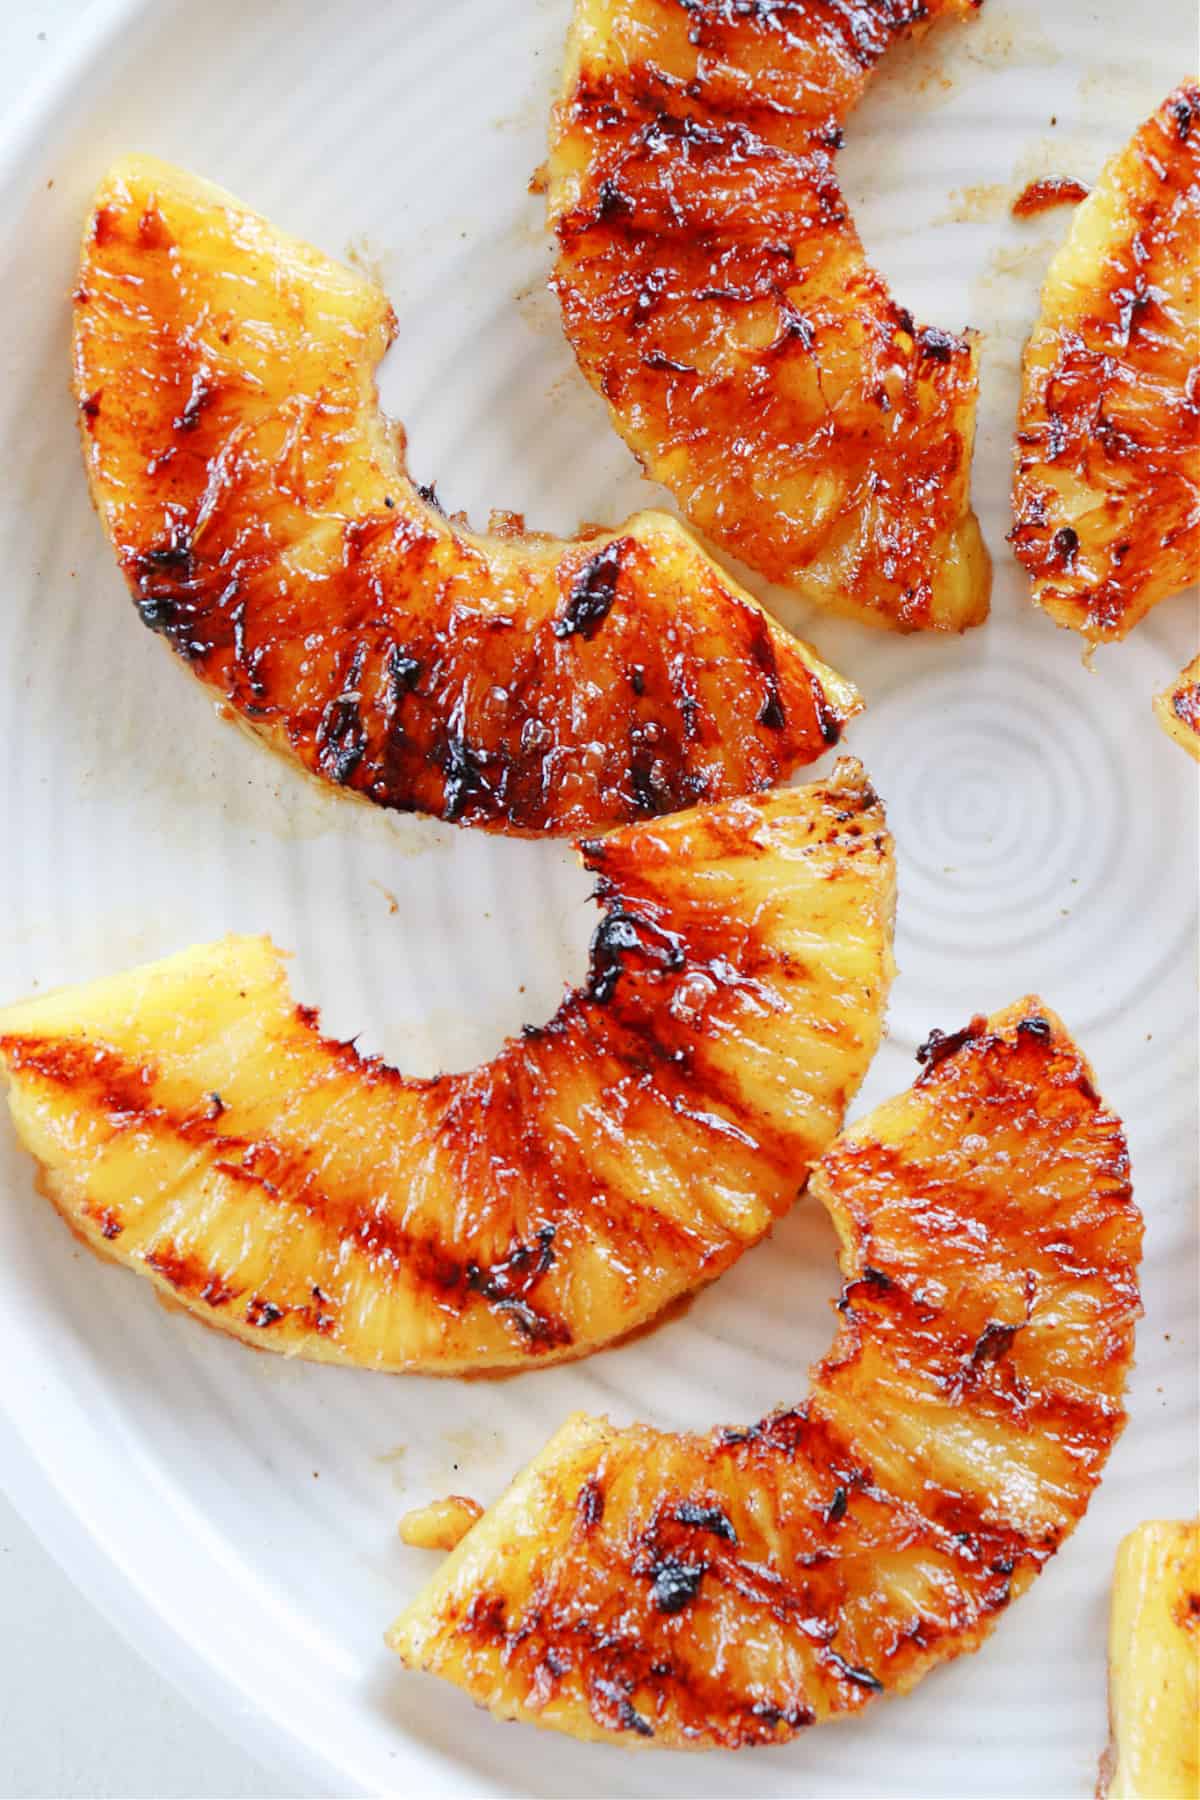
(81, 1712)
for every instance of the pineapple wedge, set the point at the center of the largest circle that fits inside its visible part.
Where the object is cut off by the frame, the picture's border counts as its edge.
(1107, 491)
(1178, 709)
(192, 1123)
(260, 508)
(1154, 1665)
(691, 1592)
(717, 295)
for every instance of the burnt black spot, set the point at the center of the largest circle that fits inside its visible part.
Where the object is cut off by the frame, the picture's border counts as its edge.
(860, 1677)
(110, 1226)
(650, 790)
(658, 359)
(463, 770)
(159, 611)
(589, 1504)
(676, 1584)
(794, 1716)
(941, 1044)
(637, 678)
(771, 713)
(429, 494)
(837, 1506)
(762, 648)
(89, 406)
(632, 1720)
(1183, 113)
(401, 673)
(508, 1284)
(592, 593)
(341, 738)
(611, 203)
(618, 935)
(993, 1342)
(1065, 543)
(1036, 1027)
(706, 1518)
(939, 345)
(263, 1312)
(214, 1106)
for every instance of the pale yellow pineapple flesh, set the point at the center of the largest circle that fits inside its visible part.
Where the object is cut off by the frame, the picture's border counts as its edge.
(192, 1123)
(1154, 1665)
(684, 1591)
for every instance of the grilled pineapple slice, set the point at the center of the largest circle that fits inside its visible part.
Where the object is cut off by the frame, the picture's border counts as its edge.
(260, 509)
(717, 295)
(1107, 492)
(690, 1591)
(193, 1123)
(1178, 708)
(1154, 1665)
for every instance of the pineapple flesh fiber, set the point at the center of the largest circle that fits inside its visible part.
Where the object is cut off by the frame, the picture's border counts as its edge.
(717, 295)
(1107, 490)
(193, 1124)
(260, 508)
(684, 1591)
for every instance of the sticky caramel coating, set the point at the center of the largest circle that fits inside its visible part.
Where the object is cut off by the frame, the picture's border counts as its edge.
(689, 1591)
(717, 294)
(193, 1124)
(261, 511)
(1178, 709)
(1107, 493)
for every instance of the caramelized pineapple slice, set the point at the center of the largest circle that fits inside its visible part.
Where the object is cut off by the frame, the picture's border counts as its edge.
(1154, 1665)
(1178, 708)
(1107, 493)
(192, 1122)
(687, 1591)
(259, 506)
(717, 295)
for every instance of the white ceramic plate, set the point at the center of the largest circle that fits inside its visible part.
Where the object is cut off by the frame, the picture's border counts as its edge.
(236, 1514)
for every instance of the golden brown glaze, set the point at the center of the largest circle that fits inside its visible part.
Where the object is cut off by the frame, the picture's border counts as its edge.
(1178, 709)
(1107, 493)
(718, 1591)
(260, 508)
(717, 294)
(1050, 191)
(192, 1122)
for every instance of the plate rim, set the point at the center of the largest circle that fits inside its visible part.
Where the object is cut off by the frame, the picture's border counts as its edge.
(59, 1522)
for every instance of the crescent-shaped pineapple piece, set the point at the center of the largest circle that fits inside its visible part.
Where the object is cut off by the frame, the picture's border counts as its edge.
(691, 1591)
(191, 1121)
(1107, 492)
(1178, 708)
(717, 294)
(259, 506)
(1154, 1665)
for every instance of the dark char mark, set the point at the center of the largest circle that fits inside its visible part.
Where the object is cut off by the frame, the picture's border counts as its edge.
(860, 1677)
(592, 593)
(941, 1044)
(676, 1584)
(589, 1504)
(706, 1518)
(616, 936)
(507, 1285)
